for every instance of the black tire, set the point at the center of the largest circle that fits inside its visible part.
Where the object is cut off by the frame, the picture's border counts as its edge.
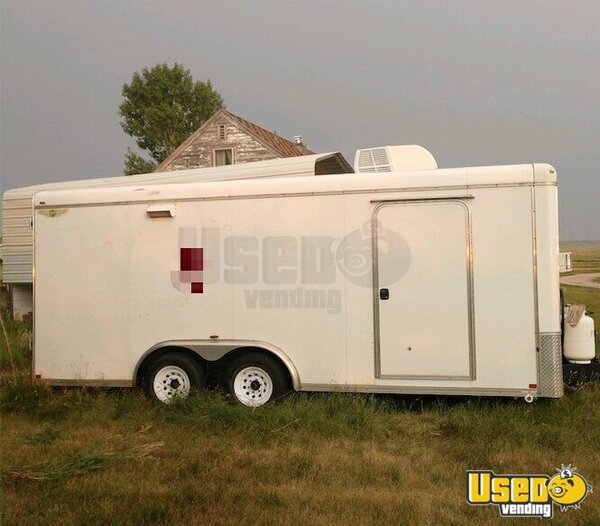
(266, 371)
(173, 368)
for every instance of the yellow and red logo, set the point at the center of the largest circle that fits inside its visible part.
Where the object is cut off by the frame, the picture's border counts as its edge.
(527, 495)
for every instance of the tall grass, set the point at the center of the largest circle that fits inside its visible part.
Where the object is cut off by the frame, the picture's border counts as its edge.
(308, 459)
(77, 463)
(15, 354)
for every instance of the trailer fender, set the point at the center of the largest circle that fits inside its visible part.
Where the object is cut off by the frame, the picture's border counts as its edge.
(213, 350)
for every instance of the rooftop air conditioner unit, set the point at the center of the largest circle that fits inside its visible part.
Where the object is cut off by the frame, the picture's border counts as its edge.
(403, 158)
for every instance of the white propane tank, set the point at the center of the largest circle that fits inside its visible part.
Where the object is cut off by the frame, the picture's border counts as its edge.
(579, 340)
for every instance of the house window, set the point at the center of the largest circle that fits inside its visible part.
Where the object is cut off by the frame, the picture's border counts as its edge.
(223, 157)
(222, 134)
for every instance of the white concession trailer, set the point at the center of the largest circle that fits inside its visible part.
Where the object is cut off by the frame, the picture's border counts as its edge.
(418, 280)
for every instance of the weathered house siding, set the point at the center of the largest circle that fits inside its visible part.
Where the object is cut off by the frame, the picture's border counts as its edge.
(246, 149)
(248, 141)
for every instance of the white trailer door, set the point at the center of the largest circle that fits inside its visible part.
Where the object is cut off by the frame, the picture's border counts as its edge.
(424, 301)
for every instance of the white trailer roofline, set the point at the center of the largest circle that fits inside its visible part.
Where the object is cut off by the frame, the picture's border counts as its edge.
(304, 165)
(422, 181)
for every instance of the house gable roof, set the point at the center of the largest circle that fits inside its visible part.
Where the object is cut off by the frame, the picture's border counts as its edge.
(278, 145)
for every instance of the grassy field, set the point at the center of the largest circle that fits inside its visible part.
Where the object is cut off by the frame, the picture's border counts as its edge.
(585, 255)
(84, 456)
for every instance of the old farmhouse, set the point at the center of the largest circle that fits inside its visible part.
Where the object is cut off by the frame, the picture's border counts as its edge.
(226, 138)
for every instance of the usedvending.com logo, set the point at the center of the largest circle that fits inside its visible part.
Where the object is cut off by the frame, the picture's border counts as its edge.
(285, 272)
(527, 495)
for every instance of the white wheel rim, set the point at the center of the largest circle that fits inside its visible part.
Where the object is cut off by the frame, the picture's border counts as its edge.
(253, 386)
(171, 382)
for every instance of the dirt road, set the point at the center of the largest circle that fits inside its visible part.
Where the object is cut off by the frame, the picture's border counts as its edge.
(582, 280)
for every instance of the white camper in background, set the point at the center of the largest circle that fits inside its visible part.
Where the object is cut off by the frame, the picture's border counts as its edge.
(565, 264)
(440, 281)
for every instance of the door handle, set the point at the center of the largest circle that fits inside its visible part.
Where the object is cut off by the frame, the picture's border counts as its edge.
(384, 294)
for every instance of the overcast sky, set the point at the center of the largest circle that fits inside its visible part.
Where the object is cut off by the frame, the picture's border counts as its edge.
(476, 82)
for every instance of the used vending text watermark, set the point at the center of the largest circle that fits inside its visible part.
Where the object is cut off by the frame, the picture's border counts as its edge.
(286, 272)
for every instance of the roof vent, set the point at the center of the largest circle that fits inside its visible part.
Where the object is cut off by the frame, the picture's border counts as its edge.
(393, 158)
(297, 139)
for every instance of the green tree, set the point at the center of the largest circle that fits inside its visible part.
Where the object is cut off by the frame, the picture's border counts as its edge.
(136, 164)
(161, 107)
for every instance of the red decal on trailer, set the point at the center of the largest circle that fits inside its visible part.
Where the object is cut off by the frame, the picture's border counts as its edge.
(191, 259)
(190, 276)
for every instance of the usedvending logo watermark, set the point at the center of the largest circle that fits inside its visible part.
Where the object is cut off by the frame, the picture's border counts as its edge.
(528, 495)
(285, 272)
